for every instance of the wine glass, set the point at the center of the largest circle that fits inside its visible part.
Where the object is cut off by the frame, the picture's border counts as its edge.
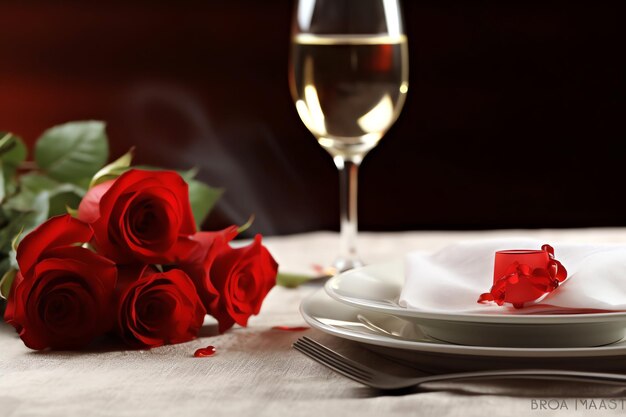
(348, 74)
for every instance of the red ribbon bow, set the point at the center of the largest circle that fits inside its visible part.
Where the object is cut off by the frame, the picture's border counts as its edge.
(527, 278)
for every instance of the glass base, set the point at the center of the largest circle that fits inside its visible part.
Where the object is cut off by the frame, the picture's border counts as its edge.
(342, 265)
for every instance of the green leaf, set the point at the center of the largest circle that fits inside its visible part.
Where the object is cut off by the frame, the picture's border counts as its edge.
(187, 175)
(37, 183)
(72, 151)
(71, 211)
(5, 137)
(246, 225)
(202, 199)
(2, 184)
(21, 202)
(12, 149)
(12, 154)
(6, 141)
(5, 283)
(292, 280)
(13, 257)
(60, 201)
(60, 195)
(5, 265)
(38, 214)
(28, 211)
(16, 240)
(114, 169)
(8, 232)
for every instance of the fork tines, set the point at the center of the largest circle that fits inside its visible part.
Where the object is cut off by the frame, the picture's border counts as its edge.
(333, 360)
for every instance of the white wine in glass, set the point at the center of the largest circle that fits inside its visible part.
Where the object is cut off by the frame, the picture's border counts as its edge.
(349, 79)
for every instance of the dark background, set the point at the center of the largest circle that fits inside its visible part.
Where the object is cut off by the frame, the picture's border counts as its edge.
(514, 118)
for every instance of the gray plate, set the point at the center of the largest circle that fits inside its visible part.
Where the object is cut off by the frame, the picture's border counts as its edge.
(401, 339)
(376, 288)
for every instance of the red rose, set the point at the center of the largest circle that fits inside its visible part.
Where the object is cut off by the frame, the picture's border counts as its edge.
(62, 296)
(241, 279)
(57, 232)
(140, 216)
(197, 261)
(160, 308)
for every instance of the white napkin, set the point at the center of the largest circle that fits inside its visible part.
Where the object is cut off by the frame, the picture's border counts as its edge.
(452, 279)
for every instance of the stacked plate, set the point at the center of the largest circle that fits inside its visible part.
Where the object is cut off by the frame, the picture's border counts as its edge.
(362, 305)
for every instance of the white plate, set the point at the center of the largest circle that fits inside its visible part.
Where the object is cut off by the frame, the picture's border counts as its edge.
(378, 287)
(397, 338)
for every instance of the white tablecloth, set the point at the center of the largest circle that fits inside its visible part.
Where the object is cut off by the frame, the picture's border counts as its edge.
(257, 373)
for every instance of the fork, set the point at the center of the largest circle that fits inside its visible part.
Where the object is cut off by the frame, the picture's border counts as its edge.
(383, 381)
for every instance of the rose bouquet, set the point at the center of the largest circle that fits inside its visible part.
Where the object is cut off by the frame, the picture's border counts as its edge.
(130, 262)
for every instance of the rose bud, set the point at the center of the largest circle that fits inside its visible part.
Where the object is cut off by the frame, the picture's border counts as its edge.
(241, 278)
(196, 262)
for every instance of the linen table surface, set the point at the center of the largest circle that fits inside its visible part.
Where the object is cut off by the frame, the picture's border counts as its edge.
(255, 372)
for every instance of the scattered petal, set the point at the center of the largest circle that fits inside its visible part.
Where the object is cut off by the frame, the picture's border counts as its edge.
(291, 328)
(205, 352)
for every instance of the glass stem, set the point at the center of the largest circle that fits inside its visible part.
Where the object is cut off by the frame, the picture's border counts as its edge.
(348, 187)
